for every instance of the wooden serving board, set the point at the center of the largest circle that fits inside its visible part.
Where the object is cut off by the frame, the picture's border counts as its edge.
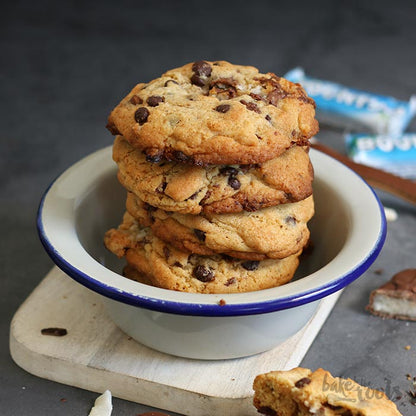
(96, 355)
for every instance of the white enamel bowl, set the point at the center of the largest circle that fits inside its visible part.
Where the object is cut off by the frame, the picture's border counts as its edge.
(348, 231)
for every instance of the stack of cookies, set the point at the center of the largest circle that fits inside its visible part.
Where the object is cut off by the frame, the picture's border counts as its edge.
(214, 157)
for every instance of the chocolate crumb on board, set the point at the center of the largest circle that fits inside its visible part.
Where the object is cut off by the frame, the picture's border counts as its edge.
(56, 332)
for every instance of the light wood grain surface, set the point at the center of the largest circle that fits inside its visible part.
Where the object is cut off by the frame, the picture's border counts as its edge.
(96, 355)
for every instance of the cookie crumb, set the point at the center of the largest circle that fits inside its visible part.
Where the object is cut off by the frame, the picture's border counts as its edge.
(407, 347)
(222, 302)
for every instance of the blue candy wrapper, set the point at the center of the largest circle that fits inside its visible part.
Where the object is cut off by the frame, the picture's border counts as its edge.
(396, 155)
(354, 109)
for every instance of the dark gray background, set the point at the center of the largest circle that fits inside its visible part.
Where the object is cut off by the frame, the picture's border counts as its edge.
(66, 64)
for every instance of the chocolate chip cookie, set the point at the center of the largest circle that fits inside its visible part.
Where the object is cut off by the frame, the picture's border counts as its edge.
(301, 392)
(215, 113)
(274, 232)
(179, 187)
(167, 267)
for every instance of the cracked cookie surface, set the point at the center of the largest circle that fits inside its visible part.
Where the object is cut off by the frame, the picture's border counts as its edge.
(215, 113)
(274, 232)
(169, 268)
(179, 187)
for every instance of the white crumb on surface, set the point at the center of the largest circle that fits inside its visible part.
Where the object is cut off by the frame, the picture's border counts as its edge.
(391, 214)
(103, 405)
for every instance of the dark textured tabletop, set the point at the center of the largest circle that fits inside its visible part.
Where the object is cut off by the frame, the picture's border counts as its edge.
(65, 65)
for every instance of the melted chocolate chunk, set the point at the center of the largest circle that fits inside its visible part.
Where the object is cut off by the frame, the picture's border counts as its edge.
(251, 106)
(154, 158)
(268, 411)
(229, 170)
(136, 100)
(302, 382)
(180, 156)
(273, 97)
(202, 68)
(223, 86)
(197, 80)
(155, 100)
(141, 115)
(56, 332)
(170, 80)
(256, 97)
(234, 183)
(204, 274)
(113, 129)
(199, 234)
(250, 265)
(230, 281)
(222, 108)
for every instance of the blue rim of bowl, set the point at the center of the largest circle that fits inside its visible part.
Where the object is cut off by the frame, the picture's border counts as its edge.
(197, 309)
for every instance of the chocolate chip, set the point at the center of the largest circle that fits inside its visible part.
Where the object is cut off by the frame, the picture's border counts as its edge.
(228, 258)
(302, 382)
(197, 80)
(155, 100)
(202, 68)
(56, 332)
(234, 182)
(223, 86)
(222, 108)
(204, 199)
(256, 97)
(135, 99)
(203, 273)
(268, 118)
(170, 80)
(229, 170)
(156, 158)
(230, 281)
(289, 196)
(113, 129)
(141, 115)
(180, 156)
(273, 97)
(268, 411)
(177, 264)
(199, 234)
(166, 252)
(250, 265)
(251, 106)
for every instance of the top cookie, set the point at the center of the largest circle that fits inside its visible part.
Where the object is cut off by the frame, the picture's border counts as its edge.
(215, 113)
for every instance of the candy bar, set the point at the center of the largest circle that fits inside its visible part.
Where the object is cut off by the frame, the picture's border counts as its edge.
(353, 109)
(397, 298)
(392, 154)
